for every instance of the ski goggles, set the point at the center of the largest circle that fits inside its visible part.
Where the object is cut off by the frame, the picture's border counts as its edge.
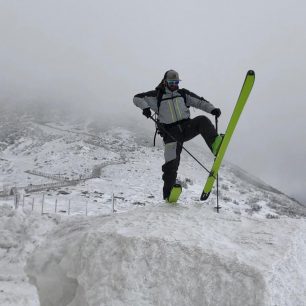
(173, 82)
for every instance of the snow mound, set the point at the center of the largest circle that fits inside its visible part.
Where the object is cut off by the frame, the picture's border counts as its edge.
(20, 232)
(172, 256)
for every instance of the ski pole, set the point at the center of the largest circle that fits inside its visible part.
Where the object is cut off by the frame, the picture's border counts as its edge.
(173, 138)
(216, 122)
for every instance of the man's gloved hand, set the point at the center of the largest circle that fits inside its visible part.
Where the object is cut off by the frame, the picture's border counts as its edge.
(147, 112)
(216, 112)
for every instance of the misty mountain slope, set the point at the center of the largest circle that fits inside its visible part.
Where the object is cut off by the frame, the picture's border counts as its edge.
(48, 150)
(125, 164)
(244, 248)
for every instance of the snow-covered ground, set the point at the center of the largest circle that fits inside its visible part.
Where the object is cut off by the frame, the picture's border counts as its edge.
(146, 252)
(20, 232)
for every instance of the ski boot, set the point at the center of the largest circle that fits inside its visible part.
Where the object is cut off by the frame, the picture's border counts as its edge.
(217, 144)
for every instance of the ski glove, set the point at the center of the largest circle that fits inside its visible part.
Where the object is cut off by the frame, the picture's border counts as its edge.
(147, 112)
(216, 112)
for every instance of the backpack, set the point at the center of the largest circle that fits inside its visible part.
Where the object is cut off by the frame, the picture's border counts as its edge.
(159, 96)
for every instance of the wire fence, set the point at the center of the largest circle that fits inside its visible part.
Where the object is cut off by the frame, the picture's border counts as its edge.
(43, 204)
(21, 197)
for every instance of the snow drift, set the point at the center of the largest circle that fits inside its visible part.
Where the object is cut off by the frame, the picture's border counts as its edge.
(172, 256)
(20, 232)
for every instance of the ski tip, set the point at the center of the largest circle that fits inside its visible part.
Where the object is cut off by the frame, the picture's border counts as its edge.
(204, 196)
(251, 72)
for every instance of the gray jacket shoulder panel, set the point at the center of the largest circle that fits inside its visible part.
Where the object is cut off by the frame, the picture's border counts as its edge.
(146, 99)
(198, 102)
(151, 93)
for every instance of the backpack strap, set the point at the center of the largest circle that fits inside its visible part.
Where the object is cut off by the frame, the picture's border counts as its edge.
(182, 92)
(159, 97)
(156, 130)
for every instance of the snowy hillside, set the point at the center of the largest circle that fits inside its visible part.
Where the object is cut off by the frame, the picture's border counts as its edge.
(146, 252)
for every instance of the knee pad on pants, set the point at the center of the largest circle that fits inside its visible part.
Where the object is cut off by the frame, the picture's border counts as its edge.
(170, 151)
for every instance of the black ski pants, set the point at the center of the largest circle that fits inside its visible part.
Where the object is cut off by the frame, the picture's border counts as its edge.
(181, 132)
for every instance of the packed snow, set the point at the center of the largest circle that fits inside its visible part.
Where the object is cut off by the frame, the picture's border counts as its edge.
(172, 256)
(82, 222)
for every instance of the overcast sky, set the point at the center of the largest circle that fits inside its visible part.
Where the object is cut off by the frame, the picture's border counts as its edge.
(97, 54)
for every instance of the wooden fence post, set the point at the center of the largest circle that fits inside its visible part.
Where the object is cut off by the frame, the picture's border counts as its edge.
(33, 204)
(42, 204)
(113, 204)
(69, 207)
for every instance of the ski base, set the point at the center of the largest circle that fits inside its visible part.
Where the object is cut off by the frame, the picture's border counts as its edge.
(242, 99)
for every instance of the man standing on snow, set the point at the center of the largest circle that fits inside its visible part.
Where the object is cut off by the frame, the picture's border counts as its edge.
(171, 104)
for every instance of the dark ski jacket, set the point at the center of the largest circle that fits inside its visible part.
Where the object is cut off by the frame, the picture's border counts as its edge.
(174, 106)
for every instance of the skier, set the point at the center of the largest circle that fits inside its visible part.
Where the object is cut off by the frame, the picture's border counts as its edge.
(171, 104)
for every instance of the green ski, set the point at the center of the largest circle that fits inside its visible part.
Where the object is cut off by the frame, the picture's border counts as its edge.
(242, 99)
(175, 193)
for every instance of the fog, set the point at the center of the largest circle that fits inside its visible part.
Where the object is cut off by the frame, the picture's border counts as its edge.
(93, 56)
